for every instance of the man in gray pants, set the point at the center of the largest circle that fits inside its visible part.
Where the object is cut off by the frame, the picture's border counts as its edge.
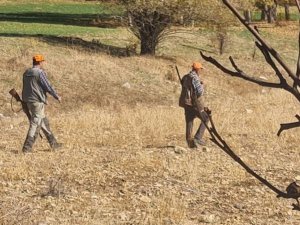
(191, 99)
(35, 87)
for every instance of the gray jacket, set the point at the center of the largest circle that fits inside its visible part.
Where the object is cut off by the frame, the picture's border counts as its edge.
(32, 89)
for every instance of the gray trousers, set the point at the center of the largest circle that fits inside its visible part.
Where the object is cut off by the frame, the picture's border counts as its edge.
(38, 120)
(190, 114)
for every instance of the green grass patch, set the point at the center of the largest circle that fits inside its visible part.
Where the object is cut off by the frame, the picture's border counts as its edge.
(112, 36)
(51, 29)
(294, 14)
(62, 8)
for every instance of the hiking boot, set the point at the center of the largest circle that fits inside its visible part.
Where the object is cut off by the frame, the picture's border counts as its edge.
(56, 146)
(199, 142)
(191, 144)
(53, 142)
(27, 147)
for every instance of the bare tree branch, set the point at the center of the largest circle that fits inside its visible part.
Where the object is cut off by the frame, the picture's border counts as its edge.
(293, 90)
(270, 61)
(217, 139)
(287, 126)
(268, 53)
(272, 51)
(298, 5)
(271, 56)
(298, 62)
(239, 73)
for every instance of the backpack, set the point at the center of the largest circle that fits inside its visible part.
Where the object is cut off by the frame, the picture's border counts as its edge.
(187, 93)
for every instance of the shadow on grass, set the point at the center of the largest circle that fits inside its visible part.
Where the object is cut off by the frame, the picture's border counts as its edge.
(104, 20)
(93, 46)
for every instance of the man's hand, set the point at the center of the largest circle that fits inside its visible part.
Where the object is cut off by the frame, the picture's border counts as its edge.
(59, 99)
(207, 110)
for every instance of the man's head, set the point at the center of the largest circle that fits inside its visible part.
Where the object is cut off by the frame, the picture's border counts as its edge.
(197, 66)
(37, 60)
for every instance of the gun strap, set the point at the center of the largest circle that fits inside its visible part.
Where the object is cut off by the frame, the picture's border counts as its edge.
(11, 106)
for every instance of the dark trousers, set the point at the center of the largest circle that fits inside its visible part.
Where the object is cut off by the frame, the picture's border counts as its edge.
(190, 114)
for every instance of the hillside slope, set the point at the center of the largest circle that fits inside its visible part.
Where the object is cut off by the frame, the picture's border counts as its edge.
(125, 160)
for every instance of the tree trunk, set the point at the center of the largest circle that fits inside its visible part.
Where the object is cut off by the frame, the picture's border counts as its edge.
(148, 44)
(287, 11)
(247, 15)
(222, 38)
(149, 28)
(274, 11)
(270, 14)
(264, 13)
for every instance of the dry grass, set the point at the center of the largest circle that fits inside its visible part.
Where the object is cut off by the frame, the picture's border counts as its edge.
(116, 167)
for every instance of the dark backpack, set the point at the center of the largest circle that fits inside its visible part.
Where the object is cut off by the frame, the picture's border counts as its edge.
(187, 93)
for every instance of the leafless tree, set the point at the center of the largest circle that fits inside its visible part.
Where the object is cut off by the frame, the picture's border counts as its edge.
(151, 21)
(287, 80)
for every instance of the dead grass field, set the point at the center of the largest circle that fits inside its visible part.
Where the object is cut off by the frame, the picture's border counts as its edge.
(118, 165)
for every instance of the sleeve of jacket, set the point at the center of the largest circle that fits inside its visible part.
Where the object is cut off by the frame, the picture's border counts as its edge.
(46, 85)
(198, 87)
(199, 90)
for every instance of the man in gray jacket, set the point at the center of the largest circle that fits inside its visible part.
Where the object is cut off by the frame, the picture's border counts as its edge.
(191, 99)
(35, 87)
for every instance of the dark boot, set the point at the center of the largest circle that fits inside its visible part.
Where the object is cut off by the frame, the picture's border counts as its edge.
(27, 147)
(53, 142)
(191, 144)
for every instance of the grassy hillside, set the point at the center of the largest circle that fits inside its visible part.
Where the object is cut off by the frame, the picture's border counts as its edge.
(124, 159)
(62, 7)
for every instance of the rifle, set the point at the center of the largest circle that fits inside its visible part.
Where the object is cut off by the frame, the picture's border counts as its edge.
(178, 75)
(14, 94)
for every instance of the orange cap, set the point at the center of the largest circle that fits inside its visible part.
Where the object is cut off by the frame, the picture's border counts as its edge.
(197, 66)
(38, 58)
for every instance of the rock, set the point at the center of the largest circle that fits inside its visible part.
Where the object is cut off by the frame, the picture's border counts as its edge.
(123, 216)
(179, 150)
(107, 132)
(50, 219)
(42, 223)
(126, 85)
(189, 222)
(239, 206)
(264, 91)
(209, 218)
(263, 78)
(297, 179)
(145, 199)
(94, 196)
(249, 111)
(205, 149)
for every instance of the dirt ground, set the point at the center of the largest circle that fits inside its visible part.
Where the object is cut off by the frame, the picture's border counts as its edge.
(124, 159)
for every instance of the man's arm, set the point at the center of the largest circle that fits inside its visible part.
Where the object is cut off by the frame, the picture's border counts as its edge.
(47, 86)
(198, 87)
